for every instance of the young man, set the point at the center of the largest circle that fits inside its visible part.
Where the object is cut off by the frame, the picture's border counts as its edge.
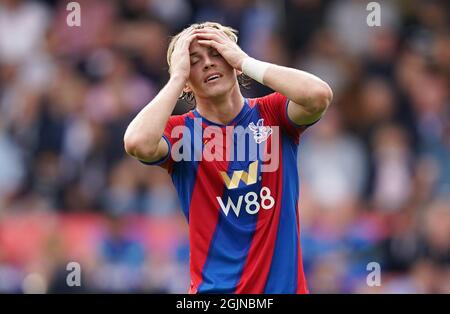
(241, 206)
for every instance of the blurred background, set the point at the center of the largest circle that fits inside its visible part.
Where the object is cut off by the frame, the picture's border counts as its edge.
(375, 172)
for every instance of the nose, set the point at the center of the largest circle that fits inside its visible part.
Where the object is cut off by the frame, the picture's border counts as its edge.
(208, 63)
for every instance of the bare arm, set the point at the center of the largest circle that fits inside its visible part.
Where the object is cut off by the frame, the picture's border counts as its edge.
(143, 137)
(309, 96)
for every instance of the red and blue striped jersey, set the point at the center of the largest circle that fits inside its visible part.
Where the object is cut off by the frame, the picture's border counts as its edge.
(244, 230)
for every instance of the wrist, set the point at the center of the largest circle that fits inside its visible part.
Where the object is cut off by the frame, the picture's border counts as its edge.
(178, 78)
(254, 68)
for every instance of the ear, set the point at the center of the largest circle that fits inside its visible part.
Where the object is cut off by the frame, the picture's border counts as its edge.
(187, 88)
(238, 72)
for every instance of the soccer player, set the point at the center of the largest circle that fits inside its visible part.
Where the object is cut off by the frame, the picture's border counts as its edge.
(242, 211)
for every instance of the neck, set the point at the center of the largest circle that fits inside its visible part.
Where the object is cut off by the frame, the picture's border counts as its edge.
(222, 109)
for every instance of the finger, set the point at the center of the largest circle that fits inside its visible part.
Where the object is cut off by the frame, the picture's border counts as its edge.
(209, 36)
(210, 43)
(190, 39)
(186, 42)
(208, 30)
(215, 31)
(182, 46)
(188, 32)
(186, 35)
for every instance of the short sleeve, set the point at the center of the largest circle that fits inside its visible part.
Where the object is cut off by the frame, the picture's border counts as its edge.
(274, 107)
(167, 161)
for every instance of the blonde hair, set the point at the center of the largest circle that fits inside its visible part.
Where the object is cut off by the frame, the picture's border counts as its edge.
(229, 31)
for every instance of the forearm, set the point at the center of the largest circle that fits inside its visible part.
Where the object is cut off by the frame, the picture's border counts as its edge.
(146, 129)
(304, 89)
(301, 87)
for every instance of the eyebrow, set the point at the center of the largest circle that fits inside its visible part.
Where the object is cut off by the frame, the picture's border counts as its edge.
(193, 54)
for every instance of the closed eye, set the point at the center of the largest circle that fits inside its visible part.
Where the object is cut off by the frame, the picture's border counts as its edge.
(215, 53)
(194, 60)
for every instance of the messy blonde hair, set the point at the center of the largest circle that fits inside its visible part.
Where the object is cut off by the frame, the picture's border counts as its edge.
(229, 31)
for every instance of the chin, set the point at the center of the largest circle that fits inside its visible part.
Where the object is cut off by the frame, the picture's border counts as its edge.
(217, 91)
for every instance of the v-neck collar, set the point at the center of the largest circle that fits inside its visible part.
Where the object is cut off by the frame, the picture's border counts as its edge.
(234, 121)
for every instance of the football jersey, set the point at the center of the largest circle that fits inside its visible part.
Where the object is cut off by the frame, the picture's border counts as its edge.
(244, 231)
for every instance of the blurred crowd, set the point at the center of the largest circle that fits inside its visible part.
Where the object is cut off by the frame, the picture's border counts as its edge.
(375, 171)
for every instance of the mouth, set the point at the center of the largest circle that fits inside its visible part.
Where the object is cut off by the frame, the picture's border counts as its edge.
(212, 78)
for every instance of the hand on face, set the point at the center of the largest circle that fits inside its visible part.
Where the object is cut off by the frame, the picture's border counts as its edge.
(218, 40)
(180, 61)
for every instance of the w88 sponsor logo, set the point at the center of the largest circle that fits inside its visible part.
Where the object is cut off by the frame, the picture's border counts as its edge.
(252, 202)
